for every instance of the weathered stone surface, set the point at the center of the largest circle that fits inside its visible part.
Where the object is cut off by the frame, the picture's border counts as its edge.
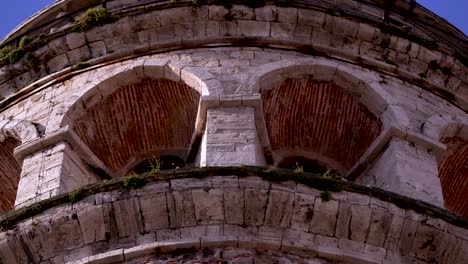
(154, 212)
(379, 227)
(324, 218)
(127, 218)
(255, 206)
(208, 205)
(92, 224)
(303, 212)
(234, 205)
(279, 209)
(359, 222)
(183, 209)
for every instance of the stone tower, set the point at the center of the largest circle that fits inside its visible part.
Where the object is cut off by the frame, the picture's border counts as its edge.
(234, 131)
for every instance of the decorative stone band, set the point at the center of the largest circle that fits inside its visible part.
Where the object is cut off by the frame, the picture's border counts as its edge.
(130, 42)
(257, 208)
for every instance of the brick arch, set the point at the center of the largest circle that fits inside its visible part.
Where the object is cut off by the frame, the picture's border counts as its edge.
(138, 120)
(97, 88)
(318, 120)
(363, 84)
(453, 167)
(12, 134)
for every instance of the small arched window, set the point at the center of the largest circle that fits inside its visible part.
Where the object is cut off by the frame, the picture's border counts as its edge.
(162, 163)
(308, 165)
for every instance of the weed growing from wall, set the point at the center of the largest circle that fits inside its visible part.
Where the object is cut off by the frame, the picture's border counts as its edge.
(134, 181)
(92, 18)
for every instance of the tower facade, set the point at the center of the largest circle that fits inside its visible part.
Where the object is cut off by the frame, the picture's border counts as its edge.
(234, 132)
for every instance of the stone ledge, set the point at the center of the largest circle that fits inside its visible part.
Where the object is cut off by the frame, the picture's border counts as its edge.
(9, 219)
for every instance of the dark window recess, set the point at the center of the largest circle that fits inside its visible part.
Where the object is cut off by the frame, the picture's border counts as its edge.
(165, 163)
(308, 165)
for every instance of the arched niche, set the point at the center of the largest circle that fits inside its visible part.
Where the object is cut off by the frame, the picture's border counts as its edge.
(12, 134)
(322, 111)
(318, 121)
(138, 120)
(453, 168)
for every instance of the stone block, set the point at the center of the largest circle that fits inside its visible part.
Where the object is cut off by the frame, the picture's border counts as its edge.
(279, 209)
(234, 206)
(76, 40)
(303, 211)
(311, 18)
(58, 63)
(182, 184)
(168, 234)
(324, 218)
(154, 211)
(360, 221)
(298, 242)
(366, 32)
(350, 245)
(92, 224)
(183, 209)
(240, 231)
(343, 220)
(127, 217)
(282, 30)
(254, 182)
(287, 15)
(266, 13)
(255, 206)
(379, 227)
(208, 205)
(407, 236)
(253, 28)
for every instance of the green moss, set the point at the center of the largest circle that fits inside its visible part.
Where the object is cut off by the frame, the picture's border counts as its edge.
(13, 56)
(325, 195)
(333, 12)
(33, 210)
(94, 17)
(75, 196)
(25, 41)
(4, 51)
(134, 182)
(81, 66)
(390, 61)
(32, 62)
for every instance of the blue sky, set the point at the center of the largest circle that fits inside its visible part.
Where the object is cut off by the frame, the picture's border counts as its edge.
(15, 11)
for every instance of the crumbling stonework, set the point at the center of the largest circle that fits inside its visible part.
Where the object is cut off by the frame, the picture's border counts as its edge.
(382, 103)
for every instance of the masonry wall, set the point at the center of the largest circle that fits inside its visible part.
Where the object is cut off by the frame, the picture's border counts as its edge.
(220, 70)
(233, 215)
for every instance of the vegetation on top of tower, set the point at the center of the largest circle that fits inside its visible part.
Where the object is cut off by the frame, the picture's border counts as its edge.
(93, 17)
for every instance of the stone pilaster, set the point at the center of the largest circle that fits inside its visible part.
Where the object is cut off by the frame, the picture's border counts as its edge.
(408, 169)
(231, 138)
(49, 172)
